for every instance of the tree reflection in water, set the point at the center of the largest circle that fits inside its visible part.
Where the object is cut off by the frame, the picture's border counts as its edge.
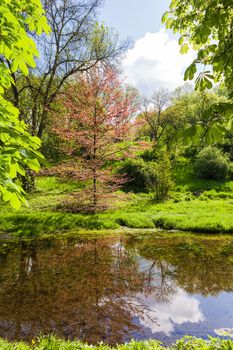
(197, 264)
(74, 289)
(104, 289)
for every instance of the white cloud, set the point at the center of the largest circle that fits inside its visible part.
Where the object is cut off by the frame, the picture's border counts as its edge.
(155, 61)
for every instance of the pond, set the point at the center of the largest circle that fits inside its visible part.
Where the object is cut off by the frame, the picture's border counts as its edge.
(160, 286)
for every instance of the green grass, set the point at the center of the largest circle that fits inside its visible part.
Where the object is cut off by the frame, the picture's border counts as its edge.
(53, 343)
(187, 181)
(208, 211)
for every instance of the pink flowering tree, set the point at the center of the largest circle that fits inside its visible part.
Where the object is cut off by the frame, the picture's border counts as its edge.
(96, 121)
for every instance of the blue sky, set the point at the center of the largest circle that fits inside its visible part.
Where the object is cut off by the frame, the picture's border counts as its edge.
(154, 61)
(134, 17)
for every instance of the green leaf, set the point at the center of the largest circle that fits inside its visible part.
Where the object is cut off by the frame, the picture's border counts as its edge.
(190, 72)
(14, 201)
(214, 134)
(184, 49)
(203, 81)
(207, 27)
(18, 149)
(33, 164)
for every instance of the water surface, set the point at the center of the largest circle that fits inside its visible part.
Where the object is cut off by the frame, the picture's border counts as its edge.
(114, 289)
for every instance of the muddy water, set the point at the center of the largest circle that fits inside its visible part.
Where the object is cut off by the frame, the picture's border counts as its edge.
(114, 289)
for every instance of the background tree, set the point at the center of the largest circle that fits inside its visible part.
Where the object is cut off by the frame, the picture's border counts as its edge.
(17, 49)
(203, 115)
(152, 113)
(76, 44)
(96, 121)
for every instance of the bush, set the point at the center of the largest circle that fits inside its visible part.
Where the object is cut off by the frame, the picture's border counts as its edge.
(159, 178)
(211, 163)
(52, 147)
(191, 151)
(153, 176)
(135, 169)
(231, 171)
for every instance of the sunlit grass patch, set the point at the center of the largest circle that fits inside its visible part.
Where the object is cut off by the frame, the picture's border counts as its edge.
(211, 212)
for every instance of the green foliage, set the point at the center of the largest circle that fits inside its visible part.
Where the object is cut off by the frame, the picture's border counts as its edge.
(54, 343)
(159, 177)
(219, 117)
(52, 148)
(205, 117)
(231, 171)
(205, 26)
(135, 170)
(211, 163)
(17, 148)
(192, 343)
(154, 176)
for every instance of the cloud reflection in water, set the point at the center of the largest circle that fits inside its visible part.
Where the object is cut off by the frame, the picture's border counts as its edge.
(180, 309)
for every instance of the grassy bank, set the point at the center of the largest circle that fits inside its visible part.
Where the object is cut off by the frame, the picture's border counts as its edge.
(52, 343)
(201, 207)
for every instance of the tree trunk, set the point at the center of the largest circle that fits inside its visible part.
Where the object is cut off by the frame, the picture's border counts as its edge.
(94, 191)
(28, 181)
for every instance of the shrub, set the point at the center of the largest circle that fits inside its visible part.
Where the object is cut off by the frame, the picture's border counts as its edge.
(52, 147)
(155, 177)
(135, 169)
(231, 171)
(211, 163)
(191, 151)
(159, 177)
